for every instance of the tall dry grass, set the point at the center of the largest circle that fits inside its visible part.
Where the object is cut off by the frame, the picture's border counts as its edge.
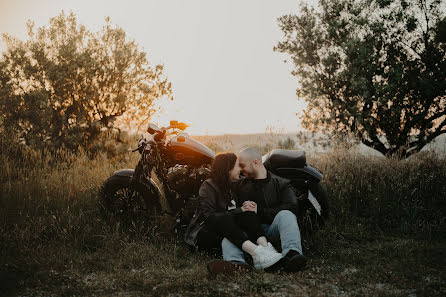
(47, 196)
(51, 196)
(386, 195)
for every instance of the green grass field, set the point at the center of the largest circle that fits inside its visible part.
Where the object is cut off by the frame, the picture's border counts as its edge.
(386, 235)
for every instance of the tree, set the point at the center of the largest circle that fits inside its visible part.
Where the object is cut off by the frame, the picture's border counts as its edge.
(373, 68)
(65, 84)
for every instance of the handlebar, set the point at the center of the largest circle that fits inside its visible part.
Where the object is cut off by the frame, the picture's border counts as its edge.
(161, 133)
(152, 129)
(181, 126)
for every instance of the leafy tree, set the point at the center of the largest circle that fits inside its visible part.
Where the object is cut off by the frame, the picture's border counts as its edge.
(65, 84)
(373, 68)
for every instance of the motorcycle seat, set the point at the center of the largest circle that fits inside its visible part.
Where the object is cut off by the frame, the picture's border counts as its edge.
(284, 158)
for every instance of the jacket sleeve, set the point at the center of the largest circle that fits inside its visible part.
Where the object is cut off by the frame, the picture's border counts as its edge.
(209, 203)
(287, 201)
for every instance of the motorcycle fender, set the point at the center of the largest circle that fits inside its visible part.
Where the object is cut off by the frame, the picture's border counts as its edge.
(151, 185)
(124, 172)
(312, 171)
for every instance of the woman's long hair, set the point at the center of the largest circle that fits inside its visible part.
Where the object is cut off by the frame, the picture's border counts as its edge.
(221, 166)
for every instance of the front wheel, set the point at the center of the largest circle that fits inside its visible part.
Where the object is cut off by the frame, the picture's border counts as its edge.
(122, 199)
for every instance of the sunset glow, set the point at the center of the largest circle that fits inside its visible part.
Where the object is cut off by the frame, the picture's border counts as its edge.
(218, 55)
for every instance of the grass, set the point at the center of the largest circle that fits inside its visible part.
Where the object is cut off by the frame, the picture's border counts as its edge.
(386, 236)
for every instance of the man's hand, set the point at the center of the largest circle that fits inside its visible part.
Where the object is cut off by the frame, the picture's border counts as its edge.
(249, 206)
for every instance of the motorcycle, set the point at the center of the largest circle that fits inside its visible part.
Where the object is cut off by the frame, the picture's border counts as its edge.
(170, 172)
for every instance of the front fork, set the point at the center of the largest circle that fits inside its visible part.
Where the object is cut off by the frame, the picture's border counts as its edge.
(144, 174)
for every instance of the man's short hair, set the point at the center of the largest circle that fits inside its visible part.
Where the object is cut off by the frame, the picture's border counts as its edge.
(252, 153)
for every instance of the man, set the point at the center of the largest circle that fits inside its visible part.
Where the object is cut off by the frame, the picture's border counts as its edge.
(275, 202)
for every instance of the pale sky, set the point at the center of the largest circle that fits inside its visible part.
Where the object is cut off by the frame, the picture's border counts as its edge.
(219, 55)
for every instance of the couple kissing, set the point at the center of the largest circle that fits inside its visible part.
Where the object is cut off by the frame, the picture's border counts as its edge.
(253, 216)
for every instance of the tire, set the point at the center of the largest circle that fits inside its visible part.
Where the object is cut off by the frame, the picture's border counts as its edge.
(123, 200)
(309, 219)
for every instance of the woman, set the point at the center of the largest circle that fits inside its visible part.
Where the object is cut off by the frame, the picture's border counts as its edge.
(218, 212)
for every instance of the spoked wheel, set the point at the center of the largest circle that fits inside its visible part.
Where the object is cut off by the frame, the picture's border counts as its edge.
(125, 202)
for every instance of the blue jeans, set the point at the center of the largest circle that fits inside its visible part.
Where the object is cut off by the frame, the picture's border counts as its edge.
(283, 230)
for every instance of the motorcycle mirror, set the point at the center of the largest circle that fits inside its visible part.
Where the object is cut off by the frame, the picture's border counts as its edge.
(182, 126)
(173, 123)
(152, 128)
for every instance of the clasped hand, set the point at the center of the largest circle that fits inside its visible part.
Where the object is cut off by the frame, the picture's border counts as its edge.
(249, 206)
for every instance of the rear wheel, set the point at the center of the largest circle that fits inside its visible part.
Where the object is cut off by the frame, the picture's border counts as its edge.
(309, 218)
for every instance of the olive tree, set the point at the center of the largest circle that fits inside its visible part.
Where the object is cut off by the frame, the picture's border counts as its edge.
(375, 68)
(65, 84)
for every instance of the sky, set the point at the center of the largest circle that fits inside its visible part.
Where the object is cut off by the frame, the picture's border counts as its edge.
(219, 56)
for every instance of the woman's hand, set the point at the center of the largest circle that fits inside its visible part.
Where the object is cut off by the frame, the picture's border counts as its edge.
(249, 206)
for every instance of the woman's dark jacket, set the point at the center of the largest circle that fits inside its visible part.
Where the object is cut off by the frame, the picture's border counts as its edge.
(213, 202)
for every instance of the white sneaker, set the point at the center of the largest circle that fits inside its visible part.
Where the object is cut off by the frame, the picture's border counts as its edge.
(265, 257)
(271, 248)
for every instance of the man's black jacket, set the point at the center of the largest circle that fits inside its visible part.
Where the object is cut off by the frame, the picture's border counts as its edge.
(272, 195)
